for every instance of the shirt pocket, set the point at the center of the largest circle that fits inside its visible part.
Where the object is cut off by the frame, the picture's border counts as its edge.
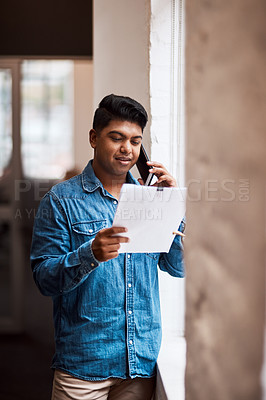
(87, 230)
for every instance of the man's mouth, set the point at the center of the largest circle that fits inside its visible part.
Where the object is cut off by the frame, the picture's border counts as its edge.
(124, 160)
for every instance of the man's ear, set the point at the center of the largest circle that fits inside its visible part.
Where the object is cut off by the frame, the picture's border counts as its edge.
(92, 138)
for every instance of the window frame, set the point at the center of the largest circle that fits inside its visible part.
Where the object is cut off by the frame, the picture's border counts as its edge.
(167, 45)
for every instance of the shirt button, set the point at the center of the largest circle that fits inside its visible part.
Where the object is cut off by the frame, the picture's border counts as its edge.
(90, 230)
(92, 264)
(129, 285)
(115, 202)
(130, 312)
(128, 256)
(130, 342)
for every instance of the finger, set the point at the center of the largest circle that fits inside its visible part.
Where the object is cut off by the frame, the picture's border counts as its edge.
(105, 241)
(155, 164)
(158, 171)
(166, 180)
(113, 247)
(111, 255)
(114, 230)
(120, 239)
(114, 240)
(141, 181)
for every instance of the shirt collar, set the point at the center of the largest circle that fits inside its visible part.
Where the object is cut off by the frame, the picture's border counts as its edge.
(90, 182)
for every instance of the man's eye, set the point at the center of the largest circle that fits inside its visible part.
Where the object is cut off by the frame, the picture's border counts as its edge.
(116, 139)
(135, 143)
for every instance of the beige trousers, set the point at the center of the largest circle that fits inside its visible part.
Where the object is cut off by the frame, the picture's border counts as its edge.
(67, 387)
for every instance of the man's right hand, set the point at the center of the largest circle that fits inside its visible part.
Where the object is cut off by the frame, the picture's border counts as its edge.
(106, 244)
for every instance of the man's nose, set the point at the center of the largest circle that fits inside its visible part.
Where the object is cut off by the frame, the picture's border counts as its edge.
(126, 147)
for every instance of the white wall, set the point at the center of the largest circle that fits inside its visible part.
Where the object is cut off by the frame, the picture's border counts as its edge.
(83, 111)
(121, 51)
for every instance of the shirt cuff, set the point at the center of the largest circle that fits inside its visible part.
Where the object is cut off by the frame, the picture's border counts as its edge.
(87, 258)
(182, 225)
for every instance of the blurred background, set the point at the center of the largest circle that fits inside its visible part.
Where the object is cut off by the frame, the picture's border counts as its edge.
(57, 61)
(37, 150)
(198, 67)
(45, 86)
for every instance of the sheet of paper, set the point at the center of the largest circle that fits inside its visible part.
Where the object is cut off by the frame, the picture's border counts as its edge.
(150, 215)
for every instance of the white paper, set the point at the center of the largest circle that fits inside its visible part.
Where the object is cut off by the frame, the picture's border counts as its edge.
(150, 215)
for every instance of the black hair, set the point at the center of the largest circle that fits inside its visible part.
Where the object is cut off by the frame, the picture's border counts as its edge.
(122, 108)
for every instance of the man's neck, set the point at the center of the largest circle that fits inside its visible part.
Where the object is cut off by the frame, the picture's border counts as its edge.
(112, 184)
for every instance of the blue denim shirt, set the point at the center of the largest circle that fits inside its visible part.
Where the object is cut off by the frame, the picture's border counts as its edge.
(106, 315)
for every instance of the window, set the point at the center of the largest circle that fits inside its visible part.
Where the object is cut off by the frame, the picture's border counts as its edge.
(47, 118)
(40, 102)
(168, 145)
(5, 118)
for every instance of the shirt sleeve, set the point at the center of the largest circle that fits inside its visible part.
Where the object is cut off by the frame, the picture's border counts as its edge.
(173, 261)
(57, 269)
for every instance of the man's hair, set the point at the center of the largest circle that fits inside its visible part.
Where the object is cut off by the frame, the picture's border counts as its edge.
(122, 108)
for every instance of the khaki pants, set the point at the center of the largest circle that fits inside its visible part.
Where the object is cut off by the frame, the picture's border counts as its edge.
(67, 387)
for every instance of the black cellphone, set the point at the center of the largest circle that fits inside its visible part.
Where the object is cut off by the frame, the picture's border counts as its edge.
(143, 167)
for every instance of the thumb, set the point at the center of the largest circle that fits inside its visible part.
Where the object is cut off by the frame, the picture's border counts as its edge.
(141, 181)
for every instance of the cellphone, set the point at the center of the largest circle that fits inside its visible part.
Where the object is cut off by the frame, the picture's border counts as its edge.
(143, 167)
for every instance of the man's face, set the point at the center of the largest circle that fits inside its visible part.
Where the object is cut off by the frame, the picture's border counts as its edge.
(116, 147)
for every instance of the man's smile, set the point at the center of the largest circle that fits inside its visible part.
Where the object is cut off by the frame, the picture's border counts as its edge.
(124, 160)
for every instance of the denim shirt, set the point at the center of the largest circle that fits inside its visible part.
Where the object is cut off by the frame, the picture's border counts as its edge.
(106, 314)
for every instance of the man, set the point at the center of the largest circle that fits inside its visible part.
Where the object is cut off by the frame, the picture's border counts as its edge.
(106, 304)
